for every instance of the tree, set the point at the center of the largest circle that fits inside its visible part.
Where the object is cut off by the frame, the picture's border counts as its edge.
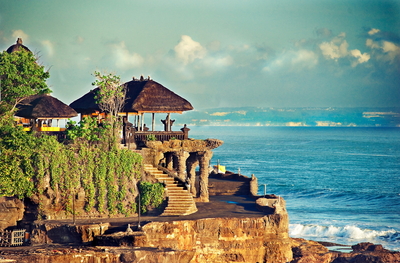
(21, 76)
(110, 96)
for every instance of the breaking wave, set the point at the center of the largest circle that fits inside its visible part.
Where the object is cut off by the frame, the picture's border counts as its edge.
(348, 235)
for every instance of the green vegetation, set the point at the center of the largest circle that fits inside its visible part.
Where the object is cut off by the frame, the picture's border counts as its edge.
(151, 195)
(151, 137)
(28, 162)
(110, 96)
(21, 76)
(36, 165)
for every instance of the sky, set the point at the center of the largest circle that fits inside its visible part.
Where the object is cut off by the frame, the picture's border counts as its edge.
(225, 53)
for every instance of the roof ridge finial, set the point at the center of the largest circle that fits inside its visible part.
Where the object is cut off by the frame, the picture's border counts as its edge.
(19, 41)
(141, 78)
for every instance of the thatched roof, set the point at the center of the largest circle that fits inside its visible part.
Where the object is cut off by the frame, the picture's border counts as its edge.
(141, 96)
(18, 46)
(44, 107)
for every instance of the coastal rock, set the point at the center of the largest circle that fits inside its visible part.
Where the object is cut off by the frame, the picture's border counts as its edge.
(11, 210)
(45, 233)
(368, 253)
(307, 251)
(262, 239)
(271, 204)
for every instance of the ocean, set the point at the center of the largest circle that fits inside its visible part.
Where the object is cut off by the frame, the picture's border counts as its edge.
(341, 185)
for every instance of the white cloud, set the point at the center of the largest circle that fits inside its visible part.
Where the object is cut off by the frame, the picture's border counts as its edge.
(370, 43)
(334, 49)
(361, 57)
(49, 47)
(294, 60)
(389, 49)
(373, 31)
(124, 59)
(20, 34)
(188, 50)
(218, 62)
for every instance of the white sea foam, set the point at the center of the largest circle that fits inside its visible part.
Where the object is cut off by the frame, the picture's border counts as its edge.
(350, 234)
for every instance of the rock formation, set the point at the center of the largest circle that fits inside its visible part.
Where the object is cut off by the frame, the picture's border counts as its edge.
(11, 210)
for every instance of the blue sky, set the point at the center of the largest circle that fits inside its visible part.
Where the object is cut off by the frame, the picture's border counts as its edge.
(325, 53)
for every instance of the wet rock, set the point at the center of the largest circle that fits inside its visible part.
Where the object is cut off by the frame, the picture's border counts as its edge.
(307, 251)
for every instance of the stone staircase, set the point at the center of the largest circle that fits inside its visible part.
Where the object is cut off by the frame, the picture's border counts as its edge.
(180, 201)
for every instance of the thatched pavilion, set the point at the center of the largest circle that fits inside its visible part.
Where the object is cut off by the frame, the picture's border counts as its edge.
(38, 111)
(18, 46)
(142, 96)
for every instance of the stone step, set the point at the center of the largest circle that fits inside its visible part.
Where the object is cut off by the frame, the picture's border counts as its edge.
(173, 187)
(178, 190)
(180, 201)
(178, 206)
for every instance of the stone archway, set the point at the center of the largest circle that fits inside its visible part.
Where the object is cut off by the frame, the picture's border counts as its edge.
(183, 156)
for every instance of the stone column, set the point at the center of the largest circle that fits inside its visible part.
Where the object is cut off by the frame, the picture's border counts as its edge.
(168, 160)
(182, 156)
(204, 162)
(254, 185)
(191, 164)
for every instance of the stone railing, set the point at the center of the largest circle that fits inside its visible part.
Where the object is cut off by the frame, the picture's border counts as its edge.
(140, 137)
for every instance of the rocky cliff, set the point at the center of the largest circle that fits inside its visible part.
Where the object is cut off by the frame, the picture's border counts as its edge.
(262, 239)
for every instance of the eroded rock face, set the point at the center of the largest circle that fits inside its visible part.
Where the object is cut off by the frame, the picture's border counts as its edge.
(62, 233)
(11, 210)
(263, 239)
(307, 251)
(368, 252)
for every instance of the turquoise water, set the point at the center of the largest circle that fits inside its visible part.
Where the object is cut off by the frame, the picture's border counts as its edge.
(340, 184)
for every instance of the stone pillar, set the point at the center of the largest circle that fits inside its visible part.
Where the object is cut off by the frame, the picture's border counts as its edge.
(204, 162)
(191, 164)
(169, 161)
(181, 156)
(254, 185)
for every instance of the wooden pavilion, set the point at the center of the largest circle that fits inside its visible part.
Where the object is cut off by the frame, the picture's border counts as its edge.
(37, 112)
(142, 96)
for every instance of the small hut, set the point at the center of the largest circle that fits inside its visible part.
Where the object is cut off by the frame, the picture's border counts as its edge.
(142, 96)
(38, 112)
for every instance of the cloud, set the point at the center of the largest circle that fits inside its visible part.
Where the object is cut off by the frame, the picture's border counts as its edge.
(389, 47)
(188, 50)
(218, 62)
(49, 47)
(124, 59)
(334, 49)
(362, 57)
(373, 31)
(338, 48)
(293, 60)
(385, 49)
(20, 34)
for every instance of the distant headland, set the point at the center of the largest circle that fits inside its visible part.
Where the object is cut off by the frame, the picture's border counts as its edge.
(305, 116)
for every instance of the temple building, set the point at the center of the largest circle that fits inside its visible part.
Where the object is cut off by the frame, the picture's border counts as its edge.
(171, 151)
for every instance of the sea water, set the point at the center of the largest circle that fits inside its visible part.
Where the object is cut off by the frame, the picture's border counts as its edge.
(341, 185)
